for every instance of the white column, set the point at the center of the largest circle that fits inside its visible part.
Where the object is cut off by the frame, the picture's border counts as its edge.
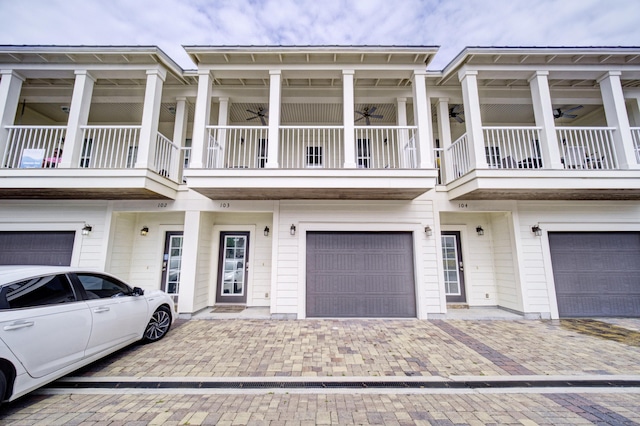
(422, 118)
(223, 120)
(616, 114)
(473, 119)
(10, 87)
(189, 266)
(348, 107)
(444, 133)
(634, 110)
(150, 119)
(78, 116)
(543, 112)
(275, 92)
(402, 111)
(199, 140)
(179, 135)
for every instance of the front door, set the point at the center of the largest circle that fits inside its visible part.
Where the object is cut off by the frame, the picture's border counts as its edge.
(453, 267)
(233, 265)
(171, 262)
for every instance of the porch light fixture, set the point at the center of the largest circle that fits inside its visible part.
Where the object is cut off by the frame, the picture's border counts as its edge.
(479, 230)
(87, 229)
(172, 109)
(536, 230)
(144, 231)
(292, 230)
(266, 231)
(64, 109)
(428, 231)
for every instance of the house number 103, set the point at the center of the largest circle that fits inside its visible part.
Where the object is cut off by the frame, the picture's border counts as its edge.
(225, 205)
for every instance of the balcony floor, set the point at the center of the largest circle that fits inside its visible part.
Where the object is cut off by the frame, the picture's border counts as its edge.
(546, 185)
(325, 184)
(85, 184)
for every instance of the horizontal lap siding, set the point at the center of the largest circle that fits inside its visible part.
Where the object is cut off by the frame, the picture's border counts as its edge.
(367, 216)
(611, 215)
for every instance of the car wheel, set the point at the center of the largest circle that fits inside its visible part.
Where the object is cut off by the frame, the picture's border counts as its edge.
(158, 325)
(3, 386)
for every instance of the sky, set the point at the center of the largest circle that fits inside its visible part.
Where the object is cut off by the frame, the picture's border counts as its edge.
(450, 24)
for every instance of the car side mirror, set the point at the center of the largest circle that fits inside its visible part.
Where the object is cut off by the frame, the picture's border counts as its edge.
(137, 291)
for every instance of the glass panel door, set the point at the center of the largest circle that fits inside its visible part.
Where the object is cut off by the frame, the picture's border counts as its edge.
(452, 267)
(171, 264)
(232, 278)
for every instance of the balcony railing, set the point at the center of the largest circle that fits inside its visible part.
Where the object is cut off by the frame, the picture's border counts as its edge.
(167, 157)
(311, 147)
(33, 146)
(457, 158)
(587, 147)
(237, 147)
(109, 147)
(512, 147)
(386, 147)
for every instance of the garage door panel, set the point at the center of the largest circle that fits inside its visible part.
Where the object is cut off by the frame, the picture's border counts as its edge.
(36, 247)
(360, 274)
(596, 273)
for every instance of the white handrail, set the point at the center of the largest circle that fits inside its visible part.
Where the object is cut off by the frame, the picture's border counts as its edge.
(33, 146)
(587, 147)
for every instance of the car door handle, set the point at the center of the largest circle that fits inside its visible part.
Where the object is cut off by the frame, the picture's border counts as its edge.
(18, 324)
(101, 309)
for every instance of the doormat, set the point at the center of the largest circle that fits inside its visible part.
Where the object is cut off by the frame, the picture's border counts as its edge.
(228, 309)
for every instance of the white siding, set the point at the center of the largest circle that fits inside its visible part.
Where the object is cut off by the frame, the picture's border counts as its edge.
(146, 253)
(562, 216)
(353, 215)
(121, 249)
(507, 285)
(203, 273)
(62, 216)
(260, 264)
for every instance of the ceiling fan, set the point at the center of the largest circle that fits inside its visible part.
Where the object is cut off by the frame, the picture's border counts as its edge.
(559, 113)
(367, 114)
(261, 114)
(456, 112)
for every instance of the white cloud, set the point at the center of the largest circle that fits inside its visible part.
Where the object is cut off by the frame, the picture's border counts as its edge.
(453, 25)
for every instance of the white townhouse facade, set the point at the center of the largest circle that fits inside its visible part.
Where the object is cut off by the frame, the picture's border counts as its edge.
(330, 181)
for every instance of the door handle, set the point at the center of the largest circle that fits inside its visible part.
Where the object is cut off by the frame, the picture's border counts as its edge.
(18, 324)
(101, 309)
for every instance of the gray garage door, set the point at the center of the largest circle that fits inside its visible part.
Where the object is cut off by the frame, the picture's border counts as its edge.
(360, 274)
(597, 274)
(36, 248)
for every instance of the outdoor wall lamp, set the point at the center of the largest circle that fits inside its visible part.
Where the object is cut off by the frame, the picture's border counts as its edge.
(536, 230)
(428, 231)
(479, 230)
(266, 231)
(144, 231)
(292, 230)
(87, 229)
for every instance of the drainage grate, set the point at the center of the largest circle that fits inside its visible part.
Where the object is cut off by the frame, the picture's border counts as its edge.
(488, 384)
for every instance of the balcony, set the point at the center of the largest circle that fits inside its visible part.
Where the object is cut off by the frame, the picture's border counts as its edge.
(588, 167)
(311, 164)
(104, 167)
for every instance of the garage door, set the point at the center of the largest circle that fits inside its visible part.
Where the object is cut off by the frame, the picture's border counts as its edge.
(597, 274)
(36, 248)
(360, 274)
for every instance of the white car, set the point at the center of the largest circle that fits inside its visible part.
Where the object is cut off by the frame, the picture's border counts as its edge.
(54, 320)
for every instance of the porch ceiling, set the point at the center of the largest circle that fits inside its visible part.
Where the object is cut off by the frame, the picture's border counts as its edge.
(546, 185)
(85, 184)
(293, 184)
